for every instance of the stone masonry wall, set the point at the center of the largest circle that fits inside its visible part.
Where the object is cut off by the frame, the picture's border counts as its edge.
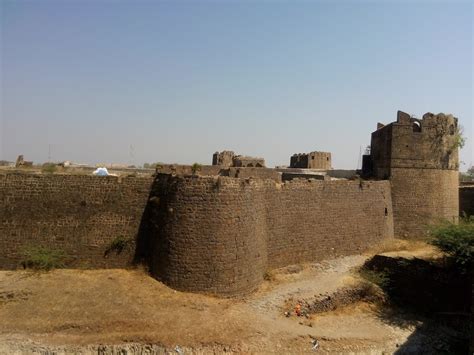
(420, 158)
(466, 200)
(422, 197)
(315, 220)
(312, 160)
(211, 234)
(78, 214)
(219, 235)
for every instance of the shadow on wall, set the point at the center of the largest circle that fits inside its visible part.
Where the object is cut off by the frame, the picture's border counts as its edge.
(148, 229)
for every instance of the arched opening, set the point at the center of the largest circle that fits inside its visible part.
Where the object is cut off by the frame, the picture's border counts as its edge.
(416, 127)
(249, 165)
(258, 165)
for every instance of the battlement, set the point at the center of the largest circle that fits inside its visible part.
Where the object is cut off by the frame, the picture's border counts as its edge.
(420, 158)
(427, 143)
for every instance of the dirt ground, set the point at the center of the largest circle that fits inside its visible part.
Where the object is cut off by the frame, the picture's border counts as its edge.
(127, 311)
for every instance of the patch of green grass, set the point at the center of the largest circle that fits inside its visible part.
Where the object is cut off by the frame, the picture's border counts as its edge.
(43, 258)
(118, 245)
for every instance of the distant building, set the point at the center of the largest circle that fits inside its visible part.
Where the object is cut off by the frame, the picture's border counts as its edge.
(228, 159)
(21, 162)
(6, 163)
(312, 160)
(224, 158)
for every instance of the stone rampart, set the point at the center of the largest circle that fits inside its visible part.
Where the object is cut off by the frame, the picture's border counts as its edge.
(422, 197)
(219, 235)
(81, 215)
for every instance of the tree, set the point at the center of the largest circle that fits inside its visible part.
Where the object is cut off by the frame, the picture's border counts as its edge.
(470, 172)
(195, 168)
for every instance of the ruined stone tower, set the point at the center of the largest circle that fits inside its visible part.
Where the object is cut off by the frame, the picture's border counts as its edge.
(312, 160)
(420, 158)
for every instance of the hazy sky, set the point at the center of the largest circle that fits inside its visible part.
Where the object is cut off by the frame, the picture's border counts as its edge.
(174, 81)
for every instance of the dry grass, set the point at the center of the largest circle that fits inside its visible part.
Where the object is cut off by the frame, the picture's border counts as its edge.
(80, 307)
(112, 305)
(395, 245)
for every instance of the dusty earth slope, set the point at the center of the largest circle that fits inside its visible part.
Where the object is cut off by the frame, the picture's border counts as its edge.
(87, 310)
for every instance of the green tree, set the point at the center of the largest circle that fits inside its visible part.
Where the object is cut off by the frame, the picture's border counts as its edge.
(195, 168)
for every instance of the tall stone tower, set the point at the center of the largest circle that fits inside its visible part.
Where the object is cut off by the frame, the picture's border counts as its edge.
(420, 158)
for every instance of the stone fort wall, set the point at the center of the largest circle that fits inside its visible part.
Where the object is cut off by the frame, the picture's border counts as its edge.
(78, 214)
(422, 197)
(219, 235)
(213, 234)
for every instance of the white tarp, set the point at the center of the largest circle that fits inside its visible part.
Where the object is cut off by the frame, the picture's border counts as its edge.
(101, 172)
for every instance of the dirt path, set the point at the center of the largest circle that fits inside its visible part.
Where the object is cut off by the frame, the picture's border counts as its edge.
(302, 282)
(72, 310)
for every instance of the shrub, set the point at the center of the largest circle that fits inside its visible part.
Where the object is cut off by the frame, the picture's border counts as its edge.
(48, 168)
(118, 244)
(268, 276)
(459, 138)
(379, 278)
(195, 168)
(42, 258)
(456, 240)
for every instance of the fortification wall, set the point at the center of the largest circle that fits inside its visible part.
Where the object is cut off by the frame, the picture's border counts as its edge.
(214, 170)
(257, 173)
(422, 197)
(220, 234)
(78, 214)
(188, 170)
(315, 220)
(466, 200)
(210, 234)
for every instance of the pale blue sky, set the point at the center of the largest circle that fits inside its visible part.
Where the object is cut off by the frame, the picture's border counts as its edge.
(179, 80)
